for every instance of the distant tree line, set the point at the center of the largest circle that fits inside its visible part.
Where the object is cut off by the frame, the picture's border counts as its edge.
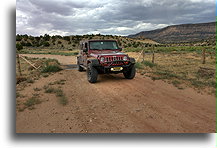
(73, 41)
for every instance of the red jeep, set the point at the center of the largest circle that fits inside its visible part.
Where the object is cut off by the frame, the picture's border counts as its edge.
(104, 56)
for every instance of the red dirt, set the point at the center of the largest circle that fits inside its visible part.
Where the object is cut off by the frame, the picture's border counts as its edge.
(115, 105)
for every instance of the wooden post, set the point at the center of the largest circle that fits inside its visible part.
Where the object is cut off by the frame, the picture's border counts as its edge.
(152, 53)
(18, 64)
(143, 56)
(204, 56)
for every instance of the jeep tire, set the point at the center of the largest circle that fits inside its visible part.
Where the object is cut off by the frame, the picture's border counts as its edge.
(92, 73)
(130, 73)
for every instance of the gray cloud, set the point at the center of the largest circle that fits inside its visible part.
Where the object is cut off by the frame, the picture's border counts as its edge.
(66, 17)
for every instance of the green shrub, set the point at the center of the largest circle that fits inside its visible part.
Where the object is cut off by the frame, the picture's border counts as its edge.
(19, 46)
(63, 100)
(150, 64)
(46, 44)
(166, 74)
(50, 90)
(51, 65)
(29, 80)
(51, 68)
(36, 89)
(139, 65)
(18, 37)
(32, 101)
(59, 94)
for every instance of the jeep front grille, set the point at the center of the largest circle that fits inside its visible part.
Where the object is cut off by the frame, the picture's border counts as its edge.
(110, 59)
(114, 61)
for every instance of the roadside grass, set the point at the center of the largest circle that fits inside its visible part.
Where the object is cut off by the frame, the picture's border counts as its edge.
(62, 99)
(59, 82)
(141, 65)
(19, 95)
(180, 69)
(29, 74)
(176, 83)
(165, 74)
(36, 89)
(29, 80)
(51, 65)
(50, 90)
(45, 75)
(30, 103)
(51, 68)
(149, 64)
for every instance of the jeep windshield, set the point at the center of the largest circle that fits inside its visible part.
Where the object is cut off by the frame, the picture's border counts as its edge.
(101, 45)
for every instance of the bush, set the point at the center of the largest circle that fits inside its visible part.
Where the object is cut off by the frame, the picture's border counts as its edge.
(28, 44)
(51, 68)
(32, 101)
(46, 44)
(51, 65)
(46, 37)
(18, 37)
(59, 93)
(67, 38)
(19, 46)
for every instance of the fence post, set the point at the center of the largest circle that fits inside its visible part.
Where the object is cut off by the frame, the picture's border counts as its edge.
(152, 53)
(18, 62)
(143, 55)
(204, 56)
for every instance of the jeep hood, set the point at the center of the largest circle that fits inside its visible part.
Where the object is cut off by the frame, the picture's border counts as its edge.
(109, 53)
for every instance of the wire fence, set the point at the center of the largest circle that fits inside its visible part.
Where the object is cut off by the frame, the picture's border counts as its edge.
(152, 54)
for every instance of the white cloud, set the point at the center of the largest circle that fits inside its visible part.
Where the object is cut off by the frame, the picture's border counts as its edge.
(118, 17)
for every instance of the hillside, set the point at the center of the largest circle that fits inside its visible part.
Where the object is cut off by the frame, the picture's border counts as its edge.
(180, 33)
(72, 42)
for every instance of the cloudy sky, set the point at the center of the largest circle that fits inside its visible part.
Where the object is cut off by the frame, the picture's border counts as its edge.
(116, 17)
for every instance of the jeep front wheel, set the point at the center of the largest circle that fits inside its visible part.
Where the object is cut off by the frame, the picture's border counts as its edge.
(130, 73)
(91, 73)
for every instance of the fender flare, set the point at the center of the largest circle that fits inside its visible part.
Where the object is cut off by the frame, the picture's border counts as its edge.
(132, 61)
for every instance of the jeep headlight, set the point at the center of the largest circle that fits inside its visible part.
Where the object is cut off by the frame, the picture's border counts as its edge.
(102, 59)
(125, 58)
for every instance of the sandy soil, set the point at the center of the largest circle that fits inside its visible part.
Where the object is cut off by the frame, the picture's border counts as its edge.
(115, 105)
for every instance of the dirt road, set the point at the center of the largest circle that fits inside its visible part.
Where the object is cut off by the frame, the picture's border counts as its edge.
(115, 105)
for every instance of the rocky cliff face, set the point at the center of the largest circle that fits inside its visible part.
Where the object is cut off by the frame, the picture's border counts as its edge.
(180, 33)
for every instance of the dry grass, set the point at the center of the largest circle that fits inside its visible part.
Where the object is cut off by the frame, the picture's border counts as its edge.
(30, 74)
(179, 69)
(62, 99)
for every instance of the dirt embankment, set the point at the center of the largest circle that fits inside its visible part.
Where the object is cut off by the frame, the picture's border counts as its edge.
(115, 105)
